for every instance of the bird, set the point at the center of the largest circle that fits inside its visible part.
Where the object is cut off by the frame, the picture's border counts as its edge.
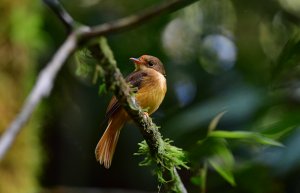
(149, 81)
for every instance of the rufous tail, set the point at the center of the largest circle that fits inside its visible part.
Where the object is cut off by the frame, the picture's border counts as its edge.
(107, 144)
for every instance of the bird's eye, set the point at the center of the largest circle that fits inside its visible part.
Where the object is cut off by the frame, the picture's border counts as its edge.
(151, 64)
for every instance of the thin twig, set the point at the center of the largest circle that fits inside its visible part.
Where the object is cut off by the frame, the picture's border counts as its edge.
(136, 19)
(62, 14)
(182, 188)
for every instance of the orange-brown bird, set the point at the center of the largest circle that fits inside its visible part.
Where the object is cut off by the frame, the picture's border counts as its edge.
(149, 79)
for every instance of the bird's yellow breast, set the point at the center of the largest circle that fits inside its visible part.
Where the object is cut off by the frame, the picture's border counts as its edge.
(152, 91)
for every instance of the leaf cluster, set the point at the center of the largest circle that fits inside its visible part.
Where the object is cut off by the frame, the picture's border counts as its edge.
(213, 151)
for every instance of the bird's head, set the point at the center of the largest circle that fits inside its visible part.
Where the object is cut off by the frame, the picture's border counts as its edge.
(147, 61)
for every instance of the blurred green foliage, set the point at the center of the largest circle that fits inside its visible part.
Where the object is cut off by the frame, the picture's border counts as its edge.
(22, 40)
(213, 151)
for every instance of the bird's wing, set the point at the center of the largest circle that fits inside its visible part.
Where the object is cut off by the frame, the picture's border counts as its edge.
(135, 79)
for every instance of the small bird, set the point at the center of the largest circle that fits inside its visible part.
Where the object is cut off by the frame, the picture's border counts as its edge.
(149, 79)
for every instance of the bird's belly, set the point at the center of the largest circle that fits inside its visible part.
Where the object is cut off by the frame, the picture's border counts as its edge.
(150, 98)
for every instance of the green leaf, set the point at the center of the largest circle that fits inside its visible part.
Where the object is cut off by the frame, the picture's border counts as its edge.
(286, 69)
(279, 134)
(213, 124)
(289, 56)
(85, 63)
(252, 136)
(278, 122)
(224, 172)
(222, 161)
(102, 89)
(205, 148)
(214, 151)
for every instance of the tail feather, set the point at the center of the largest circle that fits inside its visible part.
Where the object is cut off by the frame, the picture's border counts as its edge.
(107, 144)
